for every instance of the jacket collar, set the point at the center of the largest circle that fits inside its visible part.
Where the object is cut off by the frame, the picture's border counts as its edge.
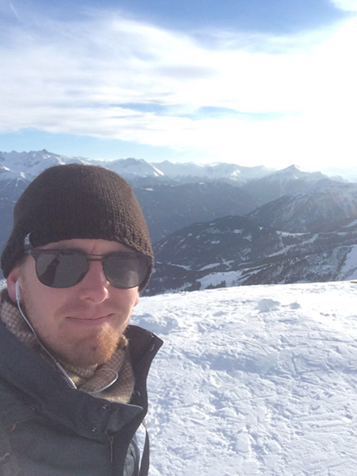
(45, 391)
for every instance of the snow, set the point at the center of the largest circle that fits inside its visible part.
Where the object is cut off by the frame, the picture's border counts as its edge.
(215, 279)
(209, 266)
(212, 171)
(181, 266)
(29, 164)
(352, 224)
(349, 269)
(258, 380)
(313, 239)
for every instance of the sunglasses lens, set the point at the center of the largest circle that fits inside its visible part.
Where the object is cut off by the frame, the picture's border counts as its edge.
(66, 268)
(61, 269)
(125, 270)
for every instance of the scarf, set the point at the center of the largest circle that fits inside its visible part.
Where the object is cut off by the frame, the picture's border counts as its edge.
(88, 380)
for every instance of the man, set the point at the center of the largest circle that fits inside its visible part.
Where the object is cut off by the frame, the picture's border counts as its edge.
(72, 372)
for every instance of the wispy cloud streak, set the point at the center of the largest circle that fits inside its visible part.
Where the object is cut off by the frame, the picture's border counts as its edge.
(73, 77)
(349, 5)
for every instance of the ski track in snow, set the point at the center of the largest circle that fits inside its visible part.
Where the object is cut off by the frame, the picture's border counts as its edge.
(258, 380)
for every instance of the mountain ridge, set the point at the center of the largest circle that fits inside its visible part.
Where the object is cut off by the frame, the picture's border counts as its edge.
(223, 224)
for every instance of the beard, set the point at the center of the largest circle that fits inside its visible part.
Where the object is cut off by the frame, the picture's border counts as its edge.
(89, 352)
(87, 349)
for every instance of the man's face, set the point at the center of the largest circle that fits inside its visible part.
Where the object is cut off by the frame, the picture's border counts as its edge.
(80, 325)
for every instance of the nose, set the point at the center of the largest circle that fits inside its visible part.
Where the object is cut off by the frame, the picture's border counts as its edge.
(94, 286)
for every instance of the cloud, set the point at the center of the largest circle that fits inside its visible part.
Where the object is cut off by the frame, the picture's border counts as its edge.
(80, 77)
(349, 5)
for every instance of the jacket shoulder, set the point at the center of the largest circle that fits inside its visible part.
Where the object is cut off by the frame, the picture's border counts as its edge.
(13, 407)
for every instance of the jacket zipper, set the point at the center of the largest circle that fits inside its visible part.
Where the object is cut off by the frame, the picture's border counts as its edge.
(111, 448)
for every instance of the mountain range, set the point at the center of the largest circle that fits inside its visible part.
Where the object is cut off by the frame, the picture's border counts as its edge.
(234, 251)
(223, 224)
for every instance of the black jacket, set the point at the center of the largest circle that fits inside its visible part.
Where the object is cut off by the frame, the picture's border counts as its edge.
(50, 429)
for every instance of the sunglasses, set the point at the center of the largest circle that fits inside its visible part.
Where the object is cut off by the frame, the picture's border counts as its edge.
(66, 268)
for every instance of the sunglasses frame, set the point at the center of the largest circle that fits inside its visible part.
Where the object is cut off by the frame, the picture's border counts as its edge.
(36, 253)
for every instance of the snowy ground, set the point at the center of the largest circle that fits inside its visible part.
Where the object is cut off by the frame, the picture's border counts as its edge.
(258, 380)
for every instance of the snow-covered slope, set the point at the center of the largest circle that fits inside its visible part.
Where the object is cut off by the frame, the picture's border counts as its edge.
(30, 164)
(254, 381)
(133, 167)
(190, 172)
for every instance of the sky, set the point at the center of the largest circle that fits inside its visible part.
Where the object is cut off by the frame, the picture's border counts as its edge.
(254, 82)
(254, 381)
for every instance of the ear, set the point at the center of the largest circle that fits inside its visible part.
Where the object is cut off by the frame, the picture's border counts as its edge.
(11, 282)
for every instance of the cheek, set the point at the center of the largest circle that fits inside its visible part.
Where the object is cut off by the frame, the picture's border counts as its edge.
(47, 302)
(133, 297)
(125, 299)
(40, 299)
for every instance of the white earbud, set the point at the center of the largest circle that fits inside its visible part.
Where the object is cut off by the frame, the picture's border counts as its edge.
(58, 365)
(17, 291)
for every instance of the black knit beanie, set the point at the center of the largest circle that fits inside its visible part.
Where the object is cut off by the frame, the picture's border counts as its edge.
(77, 201)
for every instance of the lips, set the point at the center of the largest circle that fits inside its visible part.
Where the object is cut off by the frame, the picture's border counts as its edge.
(94, 320)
